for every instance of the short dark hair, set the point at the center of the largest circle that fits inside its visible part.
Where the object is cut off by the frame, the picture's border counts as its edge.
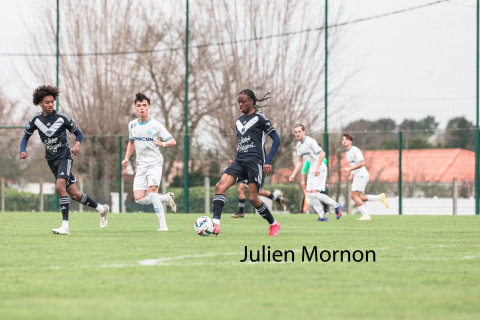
(45, 91)
(140, 97)
(348, 136)
(299, 125)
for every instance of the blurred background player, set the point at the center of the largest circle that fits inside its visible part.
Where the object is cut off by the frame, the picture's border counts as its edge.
(304, 174)
(250, 164)
(52, 128)
(264, 193)
(360, 176)
(316, 180)
(144, 133)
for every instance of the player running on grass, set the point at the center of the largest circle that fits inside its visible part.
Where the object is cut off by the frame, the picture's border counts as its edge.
(52, 128)
(144, 134)
(250, 163)
(317, 176)
(359, 174)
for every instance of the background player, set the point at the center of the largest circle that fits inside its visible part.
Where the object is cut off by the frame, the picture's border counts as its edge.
(264, 193)
(250, 163)
(52, 128)
(360, 176)
(317, 176)
(144, 133)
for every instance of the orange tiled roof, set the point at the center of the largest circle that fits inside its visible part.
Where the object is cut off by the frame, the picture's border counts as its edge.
(419, 165)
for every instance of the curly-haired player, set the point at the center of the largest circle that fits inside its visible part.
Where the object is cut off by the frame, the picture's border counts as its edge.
(52, 128)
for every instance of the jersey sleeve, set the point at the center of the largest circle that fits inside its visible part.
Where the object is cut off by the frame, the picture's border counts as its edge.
(163, 133)
(313, 144)
(68, 123)
(266, 125)
(31, 127)
(358, 155)
(298, 150)
(130, 137)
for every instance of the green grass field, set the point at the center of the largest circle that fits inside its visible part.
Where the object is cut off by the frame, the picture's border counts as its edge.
(427, 267)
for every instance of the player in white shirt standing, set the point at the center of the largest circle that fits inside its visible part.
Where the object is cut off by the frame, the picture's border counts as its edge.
(144, 134)
(359, 174)
(317, 176)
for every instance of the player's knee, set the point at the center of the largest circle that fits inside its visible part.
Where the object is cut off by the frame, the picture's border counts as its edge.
(255, 201)
(60, 188)
(76, 197)
(219, 188)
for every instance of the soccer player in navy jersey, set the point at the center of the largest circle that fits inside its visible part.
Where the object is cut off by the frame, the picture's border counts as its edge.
(52, 128)
(250, 165)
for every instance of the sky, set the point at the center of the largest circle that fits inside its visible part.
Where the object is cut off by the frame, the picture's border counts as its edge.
(407, 65)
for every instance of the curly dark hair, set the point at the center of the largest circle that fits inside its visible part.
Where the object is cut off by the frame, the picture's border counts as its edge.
(348, 136)
(44, 91)
(140, 97)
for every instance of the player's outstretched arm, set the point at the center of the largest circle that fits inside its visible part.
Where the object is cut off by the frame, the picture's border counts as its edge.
(23, 146)
(130, 148)
(298, 165)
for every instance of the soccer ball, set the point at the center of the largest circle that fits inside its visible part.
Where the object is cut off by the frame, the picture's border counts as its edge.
(204, 226)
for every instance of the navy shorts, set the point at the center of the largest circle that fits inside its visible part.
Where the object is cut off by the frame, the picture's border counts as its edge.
(247, 172)
(62, 169)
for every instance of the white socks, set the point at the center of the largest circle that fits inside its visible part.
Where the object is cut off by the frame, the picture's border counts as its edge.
(217, 221)
(65, 224)
(157, 204)
(363, 210)
(373, 197)
(324, 198)
(146, 199)
(318, 207)
(100, 208)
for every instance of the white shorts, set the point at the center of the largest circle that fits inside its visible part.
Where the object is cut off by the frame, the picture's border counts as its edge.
(317, 182)
(147, 176)
(360, 182)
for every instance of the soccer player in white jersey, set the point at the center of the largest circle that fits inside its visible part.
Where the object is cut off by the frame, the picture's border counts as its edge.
(308, 147)
(144, 134)
(359, 175)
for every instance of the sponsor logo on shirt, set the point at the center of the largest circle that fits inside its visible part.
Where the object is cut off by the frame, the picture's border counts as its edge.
(51, 144)
(133, 125)
(143, 138)
(244, 144)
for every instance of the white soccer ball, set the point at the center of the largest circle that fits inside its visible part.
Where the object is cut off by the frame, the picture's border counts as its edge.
(204, 226)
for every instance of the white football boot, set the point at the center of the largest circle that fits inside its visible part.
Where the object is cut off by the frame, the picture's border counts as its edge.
(365, 218)
(103, 217)
(171, 203)
(163, 228)
(62, 231)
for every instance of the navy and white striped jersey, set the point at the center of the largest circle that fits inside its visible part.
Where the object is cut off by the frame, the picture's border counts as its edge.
(53, 133)
(252, 131)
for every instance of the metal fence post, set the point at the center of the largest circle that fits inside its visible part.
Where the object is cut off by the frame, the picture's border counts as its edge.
(2, 182)
(80, 185)
(120, 189)
(40, 195)
(400, 172)
(455, 196)
(207, 195)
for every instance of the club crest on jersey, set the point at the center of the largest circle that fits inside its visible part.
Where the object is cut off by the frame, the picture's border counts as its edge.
(28, 126)
(49, 132)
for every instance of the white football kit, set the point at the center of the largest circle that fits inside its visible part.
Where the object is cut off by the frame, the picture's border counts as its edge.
(310, 149)
(361, 175)
(149, 158)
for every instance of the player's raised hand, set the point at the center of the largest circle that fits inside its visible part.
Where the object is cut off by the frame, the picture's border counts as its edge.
(267, 169)
(75, 151)
(125, 163)
(23, 155)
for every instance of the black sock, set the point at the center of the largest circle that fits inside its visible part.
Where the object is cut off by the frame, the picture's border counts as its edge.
(87, 201)
(218, 203)
(273, 197)
(265, 213)
(241, 205)
(64, 205)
